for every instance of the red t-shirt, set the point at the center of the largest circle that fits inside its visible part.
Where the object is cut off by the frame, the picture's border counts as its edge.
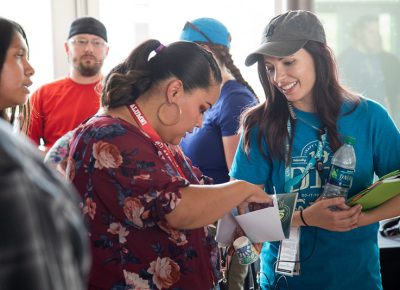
(59, 107)
(127, 188)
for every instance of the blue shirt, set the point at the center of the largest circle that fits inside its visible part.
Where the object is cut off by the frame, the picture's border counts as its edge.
(331, 260)
(204, 146)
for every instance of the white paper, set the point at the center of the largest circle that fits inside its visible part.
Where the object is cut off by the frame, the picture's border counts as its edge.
(226, 230)
(262, 225)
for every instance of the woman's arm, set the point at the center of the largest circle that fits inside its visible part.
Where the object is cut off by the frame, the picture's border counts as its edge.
(230, 144)
(201, 205)
(389, 209)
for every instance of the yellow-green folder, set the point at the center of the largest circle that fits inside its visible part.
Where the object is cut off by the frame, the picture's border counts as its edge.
(380, 191)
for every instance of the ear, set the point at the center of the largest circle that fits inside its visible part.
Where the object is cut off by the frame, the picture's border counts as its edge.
(174, 90)
(66, 47)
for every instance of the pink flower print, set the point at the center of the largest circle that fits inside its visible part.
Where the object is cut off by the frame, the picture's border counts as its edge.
(142, 177)
(136, 283)
(173, 199)
(133, 209)
(165, 272)
(118, 229)
(177, 237)
(89, 208)
(70, 171)
(107, 155)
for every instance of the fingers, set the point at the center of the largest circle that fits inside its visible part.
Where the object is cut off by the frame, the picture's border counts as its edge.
(334, 215)
(347, 218)
(335, 202)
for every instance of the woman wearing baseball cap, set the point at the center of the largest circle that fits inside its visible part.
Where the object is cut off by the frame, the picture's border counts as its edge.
(303, 121)
(220, 125)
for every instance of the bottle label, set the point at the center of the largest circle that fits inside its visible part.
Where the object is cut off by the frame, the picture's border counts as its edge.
(340, 176)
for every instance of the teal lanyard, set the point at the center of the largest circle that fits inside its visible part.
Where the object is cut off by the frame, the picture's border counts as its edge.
(290, 181)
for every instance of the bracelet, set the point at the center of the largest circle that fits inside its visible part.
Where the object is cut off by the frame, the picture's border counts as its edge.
(302, 218)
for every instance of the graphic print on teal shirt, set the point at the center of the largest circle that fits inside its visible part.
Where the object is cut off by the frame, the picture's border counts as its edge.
(310, 186)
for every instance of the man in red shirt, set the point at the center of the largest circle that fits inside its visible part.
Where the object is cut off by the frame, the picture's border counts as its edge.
(60, 106)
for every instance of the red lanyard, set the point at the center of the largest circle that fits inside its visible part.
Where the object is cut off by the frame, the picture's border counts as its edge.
(147, 128)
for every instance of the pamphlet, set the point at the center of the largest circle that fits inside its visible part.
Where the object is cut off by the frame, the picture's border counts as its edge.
(380, 191)
(266, 224)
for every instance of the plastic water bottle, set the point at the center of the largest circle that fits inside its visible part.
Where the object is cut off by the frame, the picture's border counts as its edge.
(342, 171)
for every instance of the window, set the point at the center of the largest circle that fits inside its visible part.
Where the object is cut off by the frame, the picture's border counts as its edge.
(39, 33)
(129, 22)
(365, 38)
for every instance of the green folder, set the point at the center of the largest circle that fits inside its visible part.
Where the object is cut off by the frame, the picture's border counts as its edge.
(380, 191)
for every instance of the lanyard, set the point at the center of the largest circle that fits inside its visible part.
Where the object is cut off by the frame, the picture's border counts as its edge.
(142, 122)
(290, 181)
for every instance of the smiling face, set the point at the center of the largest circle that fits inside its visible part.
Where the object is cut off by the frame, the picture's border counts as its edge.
(192, 106)
(16, 74)
(295, 77)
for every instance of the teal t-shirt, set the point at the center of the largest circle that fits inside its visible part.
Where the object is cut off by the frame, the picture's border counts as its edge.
(330, 260)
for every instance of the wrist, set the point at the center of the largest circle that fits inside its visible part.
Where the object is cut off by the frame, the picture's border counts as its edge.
(303, 220)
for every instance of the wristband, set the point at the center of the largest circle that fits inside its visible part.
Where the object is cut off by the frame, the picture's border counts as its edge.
(302, 218)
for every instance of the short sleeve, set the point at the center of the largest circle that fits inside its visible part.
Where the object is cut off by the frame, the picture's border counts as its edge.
(232, 107)
(252, 167)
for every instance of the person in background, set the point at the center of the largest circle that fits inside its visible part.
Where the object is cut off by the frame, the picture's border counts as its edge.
(146, 205)
(44, 242)
(367, 68)
(60, 106)
(212, 146)
(288, 143)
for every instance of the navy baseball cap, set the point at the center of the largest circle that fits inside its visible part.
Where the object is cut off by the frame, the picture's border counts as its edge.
(88, 25)
(287, 33)
(206, 30)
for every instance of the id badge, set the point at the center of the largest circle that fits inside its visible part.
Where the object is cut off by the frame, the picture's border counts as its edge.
(289, 254)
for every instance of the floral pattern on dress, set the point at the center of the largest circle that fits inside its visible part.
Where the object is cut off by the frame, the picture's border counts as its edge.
(127, 188)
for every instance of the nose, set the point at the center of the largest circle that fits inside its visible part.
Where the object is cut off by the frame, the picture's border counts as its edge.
(199, 122)
(89, 46)
(29, 70)
(279, 74)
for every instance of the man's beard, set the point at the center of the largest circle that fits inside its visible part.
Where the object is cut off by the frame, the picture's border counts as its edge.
(89, 71)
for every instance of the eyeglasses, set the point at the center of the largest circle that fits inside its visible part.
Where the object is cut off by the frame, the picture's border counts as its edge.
(83, 42)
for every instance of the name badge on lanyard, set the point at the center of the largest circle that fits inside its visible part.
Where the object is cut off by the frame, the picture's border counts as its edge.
(288, 261)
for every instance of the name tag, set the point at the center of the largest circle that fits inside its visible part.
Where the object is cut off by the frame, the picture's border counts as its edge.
(288, 262)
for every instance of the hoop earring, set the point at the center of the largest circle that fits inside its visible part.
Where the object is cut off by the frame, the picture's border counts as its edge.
(165, 110)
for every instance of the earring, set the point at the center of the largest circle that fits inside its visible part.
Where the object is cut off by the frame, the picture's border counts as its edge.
(169, 114)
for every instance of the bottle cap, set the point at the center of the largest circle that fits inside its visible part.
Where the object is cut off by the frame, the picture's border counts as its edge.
(349, 140)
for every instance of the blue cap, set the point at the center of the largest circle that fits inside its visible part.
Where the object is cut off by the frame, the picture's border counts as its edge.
(206, 30)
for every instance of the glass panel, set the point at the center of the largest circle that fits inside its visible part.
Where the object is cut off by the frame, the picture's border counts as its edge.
(39, 33)
(364, 37)
(129, 22)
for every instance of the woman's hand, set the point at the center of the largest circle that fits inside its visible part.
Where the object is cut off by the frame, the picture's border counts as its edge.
(320, 215)
(258, 199)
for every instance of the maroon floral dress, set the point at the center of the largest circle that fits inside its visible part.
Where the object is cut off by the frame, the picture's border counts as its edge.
(127, 188)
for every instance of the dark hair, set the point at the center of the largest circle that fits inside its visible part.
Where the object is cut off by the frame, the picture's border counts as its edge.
(8, 29)
(271, 117)
(187, 61)
(222, 53)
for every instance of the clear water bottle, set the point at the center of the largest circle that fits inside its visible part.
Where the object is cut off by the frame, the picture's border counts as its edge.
(342, 171)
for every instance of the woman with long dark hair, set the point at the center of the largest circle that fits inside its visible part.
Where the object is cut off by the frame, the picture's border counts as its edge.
(287, 146)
